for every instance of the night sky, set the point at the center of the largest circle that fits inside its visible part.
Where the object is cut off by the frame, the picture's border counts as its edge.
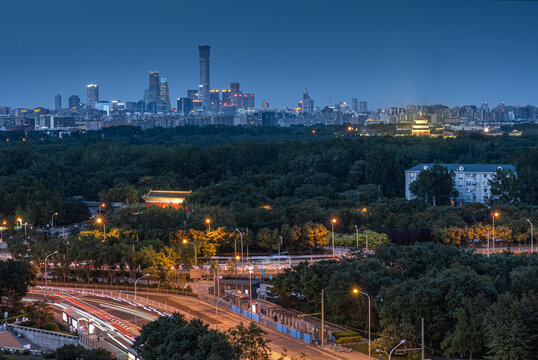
(389, 53)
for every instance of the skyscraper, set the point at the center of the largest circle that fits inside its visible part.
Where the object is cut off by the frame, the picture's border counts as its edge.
(306, 104)
(165, 96)
(92, 95)
(354, 105)
(204, 87)
(226, 97)
(214, 99)
(154, 89)
(184, 105)
(363, 107)
(58, 102)
(73, 102)
(235, 88)
(248, 101)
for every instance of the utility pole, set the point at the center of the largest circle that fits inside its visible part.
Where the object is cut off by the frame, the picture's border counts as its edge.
(422, 342)
(488, 242)
(322, 320)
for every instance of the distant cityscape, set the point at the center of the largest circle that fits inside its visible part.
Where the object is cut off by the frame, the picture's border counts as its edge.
(204, 106)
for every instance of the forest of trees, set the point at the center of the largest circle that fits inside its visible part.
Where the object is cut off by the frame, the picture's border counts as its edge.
(280, 187)
(473, 306)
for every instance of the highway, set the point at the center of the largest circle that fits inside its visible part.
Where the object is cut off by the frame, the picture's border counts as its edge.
(108, 312)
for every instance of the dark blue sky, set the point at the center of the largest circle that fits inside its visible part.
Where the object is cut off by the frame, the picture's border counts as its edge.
(384, 52)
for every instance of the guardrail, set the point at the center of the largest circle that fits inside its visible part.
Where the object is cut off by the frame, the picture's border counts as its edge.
(129, 298)
(45, 338)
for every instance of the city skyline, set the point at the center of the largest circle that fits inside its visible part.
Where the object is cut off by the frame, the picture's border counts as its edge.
(386, 53)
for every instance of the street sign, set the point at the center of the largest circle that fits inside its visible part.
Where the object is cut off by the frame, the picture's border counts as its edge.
(195, 273)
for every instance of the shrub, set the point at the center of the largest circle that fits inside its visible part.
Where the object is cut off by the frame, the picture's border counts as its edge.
(26, 352)
(340, 334)
(348, 339)
(51, 326)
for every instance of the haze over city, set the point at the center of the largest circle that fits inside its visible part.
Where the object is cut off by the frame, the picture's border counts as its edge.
(389, 53)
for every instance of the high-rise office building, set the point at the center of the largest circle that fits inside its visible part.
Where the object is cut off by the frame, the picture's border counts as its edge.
(204, 76)
(192, 94)
(306, 104)
(214, 99)
(73, 102)
(5, 110)
(248, 101)
(58, 102)
(165, 96)
(234, 88)
(363, 107)
(184, 105)
(226, 97)
(92, 95)
(154, 89)
(354, 105)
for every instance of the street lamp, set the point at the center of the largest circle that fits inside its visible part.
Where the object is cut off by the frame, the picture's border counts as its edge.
(186, 242)
(532, 237)
(136, 281)
(390, 354)
(217, 309)
(237, 257)
(241, 236)
(100, 221)
(250, 270)
(494, 215)
(357, 231)
(46, 257)
(333, 221)
(357, 291)
(20, 221)
(52, 220)
(208, 222)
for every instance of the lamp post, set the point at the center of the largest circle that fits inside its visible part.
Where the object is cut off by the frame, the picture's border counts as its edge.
(186, 242)
(532, 237)
(493, 216)
(20, 221)
(390, 354)
(357, 291)
(241, 236)
(208, 222)
(136, 281)
(237, 257)
(217, 309)
(250, 270)
(100, 221)
(333, 221)
(46, 257)
(357, 232)
(2, 228)
(52, 220)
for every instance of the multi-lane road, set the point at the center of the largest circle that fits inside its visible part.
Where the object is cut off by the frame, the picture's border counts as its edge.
(115, 320)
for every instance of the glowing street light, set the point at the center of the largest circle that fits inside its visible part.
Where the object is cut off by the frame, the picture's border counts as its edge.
(494, 215)
(100, 221)
(208, 222)
(333, 221)
(52, 220)
(186, 242)
(390, 354)
(357, 291)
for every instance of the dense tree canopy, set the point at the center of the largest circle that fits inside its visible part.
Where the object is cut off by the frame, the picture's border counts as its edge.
(458, 294)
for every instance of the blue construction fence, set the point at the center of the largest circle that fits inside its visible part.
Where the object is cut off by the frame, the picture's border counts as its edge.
(308, 338)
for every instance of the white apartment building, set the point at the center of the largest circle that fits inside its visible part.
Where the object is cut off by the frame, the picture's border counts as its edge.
(471, 180)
